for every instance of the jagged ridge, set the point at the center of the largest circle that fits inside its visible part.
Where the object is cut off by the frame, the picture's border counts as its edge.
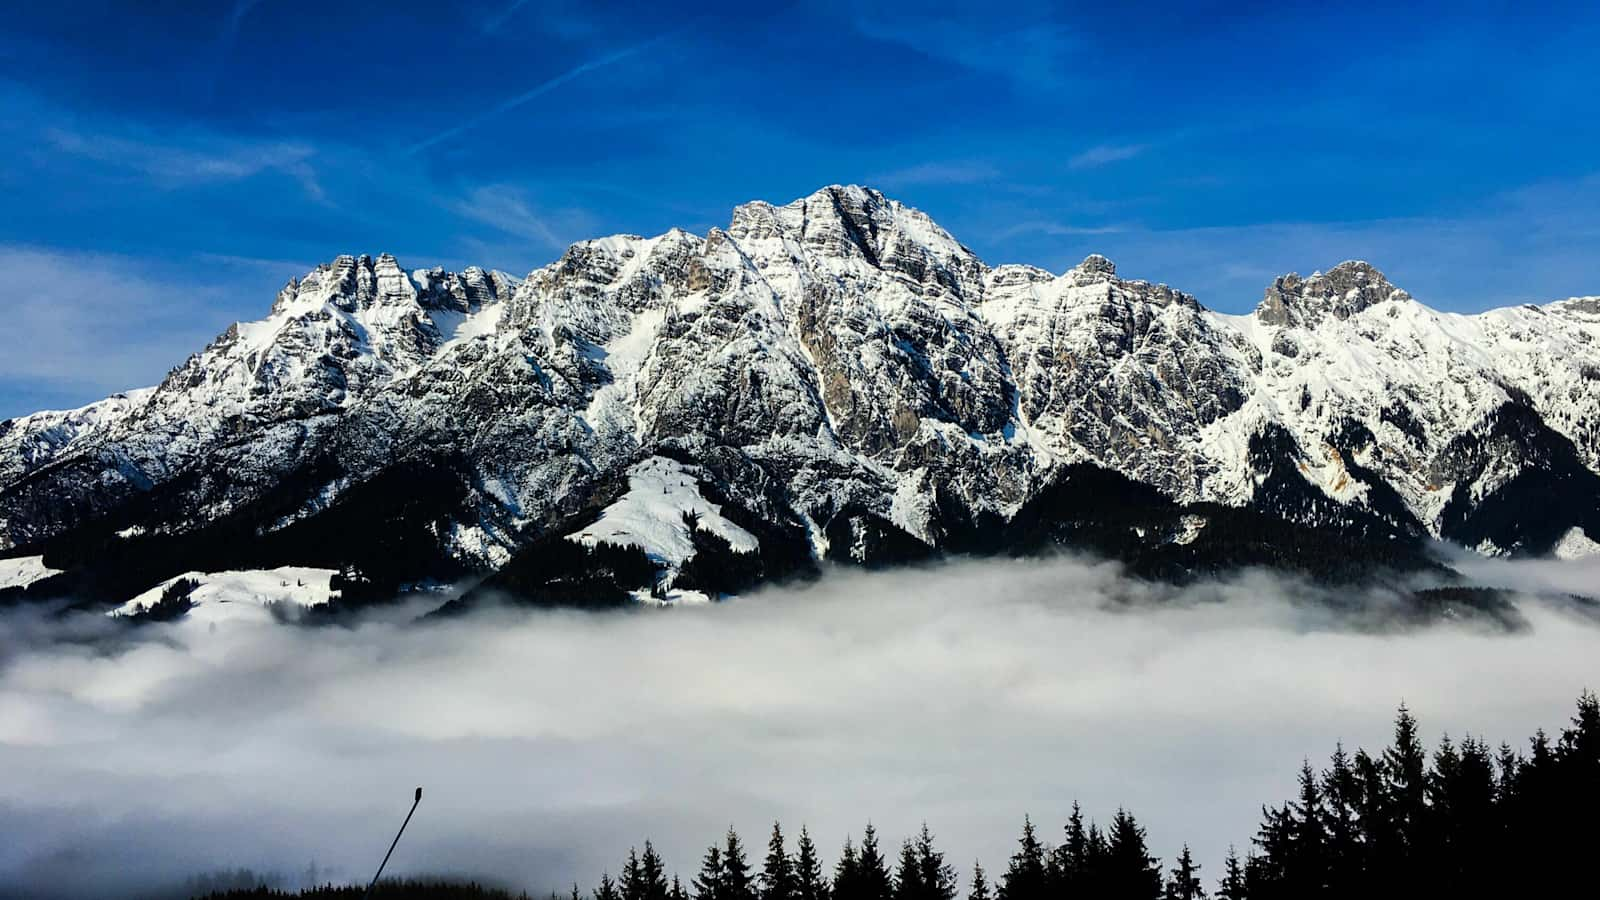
(837, 368)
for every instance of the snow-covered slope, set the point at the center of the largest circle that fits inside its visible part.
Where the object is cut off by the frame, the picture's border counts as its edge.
(650, 516)
(840, 358)
(21, 571)
(1575, 544)
(219, 596)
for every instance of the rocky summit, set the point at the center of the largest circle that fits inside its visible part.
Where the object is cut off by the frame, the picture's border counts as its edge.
(835, 379)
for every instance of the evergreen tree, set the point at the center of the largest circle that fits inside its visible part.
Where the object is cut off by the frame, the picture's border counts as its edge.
(737, 883)
(1380, 841)
(677, 892)
(1506, 787)
(1184, 884)
(809, 881)
(607, 889)
(708, 884)
(1024, 878)
(1341, 794)
(847, 874)
(908, 875)
(1406, 765)
(980, 884)
(872, 869)
(777, 874)
(1267, 876)
(1476, 837)
(1096, 862)
(652, 875)
(632, 878)
(1232, 886)
(938, 878)
(1306, 870)
(1072, 857)
(1131, 872)
(1580, 744)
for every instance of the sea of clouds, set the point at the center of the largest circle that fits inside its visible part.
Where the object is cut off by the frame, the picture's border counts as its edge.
(964, 695)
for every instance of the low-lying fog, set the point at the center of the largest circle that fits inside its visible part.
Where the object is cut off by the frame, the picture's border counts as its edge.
(963, 695)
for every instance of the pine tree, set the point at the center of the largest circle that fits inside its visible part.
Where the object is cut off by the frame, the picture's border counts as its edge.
(1185, 881)
(607, 889)
(1341, 794)
(632, 878)
(938, 878)
(1267, 873)
(1580, 744)
(809, 881)
(677, 892)
(980, 884)
(737, 884)
(1406, 765)
(1380, 841)
(777, 874)
(1466, 826)
(1096, 862)
(1306, 869)
(1232, 886)
(708, 884)
(1024, 878)
(1132, 873)
(873, 870)
(922, 873)
(1072, 857)
(908, 875)
(847, 874)
(652, 874)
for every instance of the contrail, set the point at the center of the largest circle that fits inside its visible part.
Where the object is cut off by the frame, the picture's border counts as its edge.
(494, 22)
(544, 88)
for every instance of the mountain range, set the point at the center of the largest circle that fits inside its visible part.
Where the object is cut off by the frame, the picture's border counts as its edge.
(837, 379)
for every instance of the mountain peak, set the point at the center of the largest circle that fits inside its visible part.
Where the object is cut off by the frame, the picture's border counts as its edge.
(1093, 270)
(1342, 291)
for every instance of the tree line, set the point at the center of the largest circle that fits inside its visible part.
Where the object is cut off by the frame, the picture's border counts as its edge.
(1465, 820)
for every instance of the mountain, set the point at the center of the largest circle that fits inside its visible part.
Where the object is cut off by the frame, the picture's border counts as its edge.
(834, 379)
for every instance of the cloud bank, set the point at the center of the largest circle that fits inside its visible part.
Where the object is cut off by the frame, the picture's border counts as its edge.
(549, 742)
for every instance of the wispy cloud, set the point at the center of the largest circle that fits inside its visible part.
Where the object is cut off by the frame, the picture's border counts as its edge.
(86, 325)
(508, 209)
(1526, 245)
(1105, 154)
(543, 88)
(936, 173)
(495, 21)
(228, 38)
(1057, 229)
(1033, 56)
(206, 160)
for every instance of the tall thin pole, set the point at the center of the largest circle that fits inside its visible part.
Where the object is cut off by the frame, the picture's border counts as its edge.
(395, 844)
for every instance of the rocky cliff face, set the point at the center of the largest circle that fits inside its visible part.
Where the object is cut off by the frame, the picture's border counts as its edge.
(838, 366)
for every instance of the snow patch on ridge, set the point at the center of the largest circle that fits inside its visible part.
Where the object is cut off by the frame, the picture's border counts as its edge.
(1576, 544)
(650, 515)
(232, 595)
(21, 571)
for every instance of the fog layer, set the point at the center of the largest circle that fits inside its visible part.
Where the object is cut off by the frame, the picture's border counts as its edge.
(548, 742)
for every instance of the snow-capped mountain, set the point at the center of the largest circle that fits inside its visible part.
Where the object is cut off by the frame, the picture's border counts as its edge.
(833, 378)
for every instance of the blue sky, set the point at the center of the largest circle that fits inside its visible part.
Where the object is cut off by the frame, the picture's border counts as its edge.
(166, 166)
